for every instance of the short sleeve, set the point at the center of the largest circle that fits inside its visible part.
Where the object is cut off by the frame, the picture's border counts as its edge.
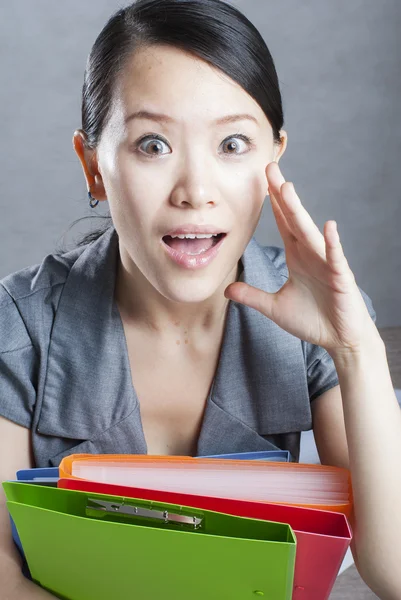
(18, 364)
(321, 371)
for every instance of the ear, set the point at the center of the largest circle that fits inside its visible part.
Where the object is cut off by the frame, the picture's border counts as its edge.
(280, 148)
(90, 167)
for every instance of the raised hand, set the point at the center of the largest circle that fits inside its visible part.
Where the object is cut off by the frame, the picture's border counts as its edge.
(320, 303)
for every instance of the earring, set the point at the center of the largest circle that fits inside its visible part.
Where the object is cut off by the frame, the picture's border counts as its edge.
(92, 201)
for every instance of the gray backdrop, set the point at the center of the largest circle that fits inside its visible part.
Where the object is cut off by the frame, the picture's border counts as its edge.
(339, 64)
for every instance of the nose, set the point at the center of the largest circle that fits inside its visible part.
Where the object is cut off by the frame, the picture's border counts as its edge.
(194, 188)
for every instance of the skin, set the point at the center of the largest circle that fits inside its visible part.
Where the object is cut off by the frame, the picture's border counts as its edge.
(195, 183)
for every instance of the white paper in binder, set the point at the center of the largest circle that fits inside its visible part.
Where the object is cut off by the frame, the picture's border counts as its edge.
(268, 482)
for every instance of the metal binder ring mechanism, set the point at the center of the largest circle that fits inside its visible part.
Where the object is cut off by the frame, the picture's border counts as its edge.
(100, 508)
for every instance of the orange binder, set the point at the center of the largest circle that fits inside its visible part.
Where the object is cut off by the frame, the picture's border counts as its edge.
(337, 479)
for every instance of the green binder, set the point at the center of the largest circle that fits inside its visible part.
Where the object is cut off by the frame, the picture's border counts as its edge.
(85, 546)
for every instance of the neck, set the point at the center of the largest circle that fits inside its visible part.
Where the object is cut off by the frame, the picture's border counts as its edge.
(143, 306)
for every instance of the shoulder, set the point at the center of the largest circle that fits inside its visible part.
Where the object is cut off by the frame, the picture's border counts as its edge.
(264, 267)
(51, 272)
(277, 257)
(28, 299)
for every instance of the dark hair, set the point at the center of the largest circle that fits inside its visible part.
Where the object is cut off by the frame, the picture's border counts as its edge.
(211, 30)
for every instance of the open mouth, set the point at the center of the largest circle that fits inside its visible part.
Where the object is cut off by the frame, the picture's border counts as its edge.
(193, 244)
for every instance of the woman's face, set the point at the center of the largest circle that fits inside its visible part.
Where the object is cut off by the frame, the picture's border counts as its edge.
(198, 171)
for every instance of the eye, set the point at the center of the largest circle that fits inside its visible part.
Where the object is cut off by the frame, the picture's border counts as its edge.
(152, 144)
(234, 147)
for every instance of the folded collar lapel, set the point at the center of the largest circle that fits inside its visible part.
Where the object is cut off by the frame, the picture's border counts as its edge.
(88, 385)
(260, 386)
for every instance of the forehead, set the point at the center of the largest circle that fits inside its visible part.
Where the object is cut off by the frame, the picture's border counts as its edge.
(169, 80)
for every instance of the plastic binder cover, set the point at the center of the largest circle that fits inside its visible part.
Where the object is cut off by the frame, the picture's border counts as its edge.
(79, 548)
(322, 537)
(272, 455)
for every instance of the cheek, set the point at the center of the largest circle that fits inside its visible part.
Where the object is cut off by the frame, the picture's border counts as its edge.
(133, 180)
(248, 193)
(133, 192)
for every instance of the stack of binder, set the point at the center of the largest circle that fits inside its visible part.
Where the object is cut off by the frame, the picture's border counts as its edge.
(150, 527)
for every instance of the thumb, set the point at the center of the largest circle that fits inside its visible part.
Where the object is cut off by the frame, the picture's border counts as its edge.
(251, 296)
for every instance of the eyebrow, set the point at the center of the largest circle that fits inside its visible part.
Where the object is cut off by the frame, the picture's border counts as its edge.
(144, 114)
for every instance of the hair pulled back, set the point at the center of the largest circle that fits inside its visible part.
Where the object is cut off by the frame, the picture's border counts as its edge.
(212, 30)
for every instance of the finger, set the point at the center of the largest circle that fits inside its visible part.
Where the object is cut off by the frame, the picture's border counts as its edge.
(334, 251)
(275, 177)
(299, 221)
(301, 224)
(281, 221)
(297, 215)
(275, 180)
(251, 296)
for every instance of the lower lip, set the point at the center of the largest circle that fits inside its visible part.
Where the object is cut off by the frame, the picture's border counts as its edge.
(194, 261)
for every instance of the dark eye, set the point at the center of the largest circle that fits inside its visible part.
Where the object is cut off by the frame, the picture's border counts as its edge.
(233, 145)
(152, 145)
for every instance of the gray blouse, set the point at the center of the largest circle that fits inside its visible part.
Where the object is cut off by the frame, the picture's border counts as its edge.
(65, 372)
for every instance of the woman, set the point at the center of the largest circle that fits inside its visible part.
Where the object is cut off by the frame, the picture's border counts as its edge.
(130, 343)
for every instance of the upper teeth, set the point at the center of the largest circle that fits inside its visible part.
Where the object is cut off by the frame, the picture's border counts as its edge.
(192, 236)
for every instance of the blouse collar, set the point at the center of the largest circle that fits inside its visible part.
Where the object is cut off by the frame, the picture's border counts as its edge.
(259, 386)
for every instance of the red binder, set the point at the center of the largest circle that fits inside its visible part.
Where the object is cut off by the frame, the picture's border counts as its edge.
(323, 537)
